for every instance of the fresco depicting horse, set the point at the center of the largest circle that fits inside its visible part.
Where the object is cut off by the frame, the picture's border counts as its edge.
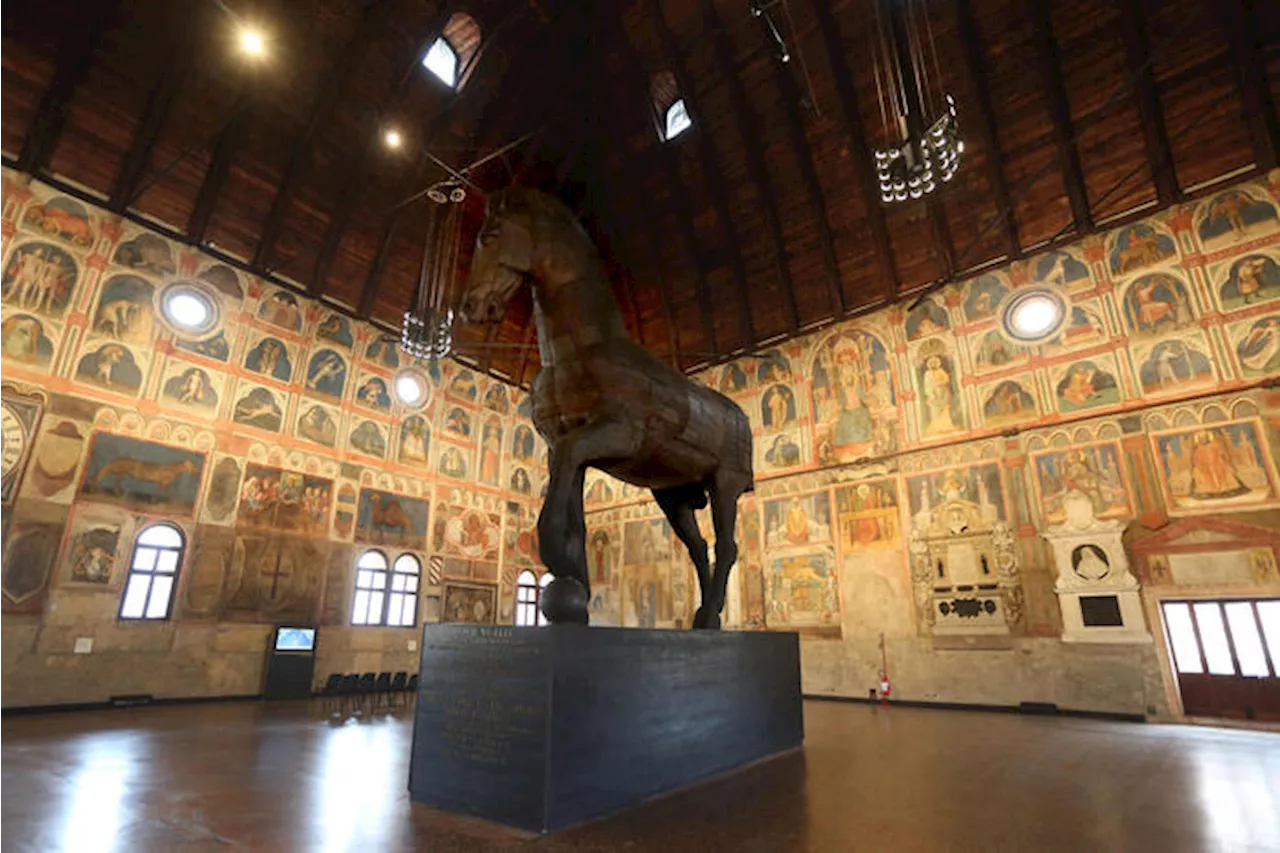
(602, 401)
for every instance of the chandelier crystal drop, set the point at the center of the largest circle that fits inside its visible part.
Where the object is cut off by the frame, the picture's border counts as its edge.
(427, 331)
(921, 125)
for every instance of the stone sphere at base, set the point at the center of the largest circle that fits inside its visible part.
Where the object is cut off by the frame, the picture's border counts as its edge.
(564, 601)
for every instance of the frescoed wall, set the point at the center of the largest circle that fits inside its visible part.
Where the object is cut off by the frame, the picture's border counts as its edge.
(909, 463)
(272, 440)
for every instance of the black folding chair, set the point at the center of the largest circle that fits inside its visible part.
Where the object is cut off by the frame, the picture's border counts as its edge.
(329, 690)
(412, 688)
(382, 689)
(364, 687)
(398, 682)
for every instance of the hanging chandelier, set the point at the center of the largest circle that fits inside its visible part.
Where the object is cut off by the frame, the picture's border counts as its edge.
(919, 119)
(427, 332)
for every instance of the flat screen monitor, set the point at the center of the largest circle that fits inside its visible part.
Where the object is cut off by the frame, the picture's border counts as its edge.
(295, 639)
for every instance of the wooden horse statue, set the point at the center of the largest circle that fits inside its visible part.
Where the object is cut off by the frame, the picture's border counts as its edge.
(602, 401)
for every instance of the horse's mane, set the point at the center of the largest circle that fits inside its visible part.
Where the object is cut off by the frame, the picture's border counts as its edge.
(534, 201)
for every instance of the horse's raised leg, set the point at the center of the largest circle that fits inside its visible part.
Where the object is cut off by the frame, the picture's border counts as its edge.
(562, 531)
(675, 503)
(724, 492)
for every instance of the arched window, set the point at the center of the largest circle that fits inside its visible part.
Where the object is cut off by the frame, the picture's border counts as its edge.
(402, 604)
(528, 596)
(542, 584)
(668, 107)
(153, 573)
(451, 57)
(371, 589)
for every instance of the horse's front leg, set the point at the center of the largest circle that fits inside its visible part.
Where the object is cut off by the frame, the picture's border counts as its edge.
(562, 529)
(724, 516)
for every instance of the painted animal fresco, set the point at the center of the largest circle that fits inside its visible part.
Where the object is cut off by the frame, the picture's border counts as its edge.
(1259, 348)
(797, 520)
(472, 605)
(192, 387)
(40, 277)
(368, 438)
(983, 297)
(336, 329)
(125, 312)
(383, 350)
(258, 408)
(1137, 246)
(111, 367)
(1157, 303)
(855, 402)
(463, 385)
(868, 516)
(1085, 385)
(316, 424)
(373, 393)
(1092, 470)
(1253, 278)
(777, 408)
(1233, 216)
(927, 318)
(1220, 465)
(281, 309)
(270, 357)
(1062, 269)
(23, 340)
(273, 499)
(783, 452)
(1009, 402)
(146, 252)
(63, 218)
(1174, 364)
(142, 475)
(225, 281)
(415, 440)
(215, 347)
(327, 373)
(383, 518)
(1084, 326)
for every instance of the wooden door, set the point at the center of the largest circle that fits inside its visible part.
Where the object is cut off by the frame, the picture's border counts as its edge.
(1226, 654)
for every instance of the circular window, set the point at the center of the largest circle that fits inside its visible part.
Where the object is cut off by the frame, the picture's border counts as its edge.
(190, 310)
(1034, 314)
(410, 388)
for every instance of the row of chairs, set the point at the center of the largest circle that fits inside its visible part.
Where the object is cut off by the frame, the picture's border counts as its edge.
(353, 690)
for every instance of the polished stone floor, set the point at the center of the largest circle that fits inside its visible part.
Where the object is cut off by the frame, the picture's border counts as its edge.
(247, 776)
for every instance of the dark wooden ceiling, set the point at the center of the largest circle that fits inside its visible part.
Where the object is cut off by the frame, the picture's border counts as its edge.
(761, 222)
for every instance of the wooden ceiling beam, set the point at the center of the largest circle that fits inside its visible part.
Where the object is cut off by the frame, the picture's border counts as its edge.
(357, 171)
(333, 87)
(1259, 106)
(711, 171)
(985, 126)
(859, 151)
(791, 98)
(173, 75)
(1155, 136)
(1060, 110)
(215, 177)
(73, 63)
(750, 132)
(684, 210)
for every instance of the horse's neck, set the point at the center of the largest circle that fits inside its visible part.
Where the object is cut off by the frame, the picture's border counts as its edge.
(574, 315)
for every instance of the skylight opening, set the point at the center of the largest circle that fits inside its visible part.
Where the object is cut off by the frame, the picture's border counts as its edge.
(678, 120)
(442, 61)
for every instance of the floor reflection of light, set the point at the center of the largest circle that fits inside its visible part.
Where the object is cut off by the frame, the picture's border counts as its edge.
(97, 786)
(1237, 798)
(355, 784)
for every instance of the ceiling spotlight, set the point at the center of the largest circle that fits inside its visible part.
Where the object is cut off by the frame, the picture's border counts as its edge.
(393, 139)
(252, 42)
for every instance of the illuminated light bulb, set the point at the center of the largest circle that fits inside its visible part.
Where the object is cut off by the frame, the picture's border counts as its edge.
(252, 42)
(392, 138)
(886, 197)
(916, 193)
(960, 146)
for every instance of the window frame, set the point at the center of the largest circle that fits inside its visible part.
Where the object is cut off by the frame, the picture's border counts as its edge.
(667, 135)
(441, 40)
(151, 573)
(529, 595)
(389, 572)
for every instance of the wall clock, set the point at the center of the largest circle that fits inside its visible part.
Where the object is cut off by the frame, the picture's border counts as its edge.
(18, 419)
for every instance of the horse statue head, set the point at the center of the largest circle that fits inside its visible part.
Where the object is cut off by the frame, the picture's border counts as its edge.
(527, 235)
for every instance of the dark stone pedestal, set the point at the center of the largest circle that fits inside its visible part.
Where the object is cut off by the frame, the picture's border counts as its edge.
(540, 728)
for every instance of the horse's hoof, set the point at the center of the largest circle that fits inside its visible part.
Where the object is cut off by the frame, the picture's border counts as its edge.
(706, 619)
(564, 602)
